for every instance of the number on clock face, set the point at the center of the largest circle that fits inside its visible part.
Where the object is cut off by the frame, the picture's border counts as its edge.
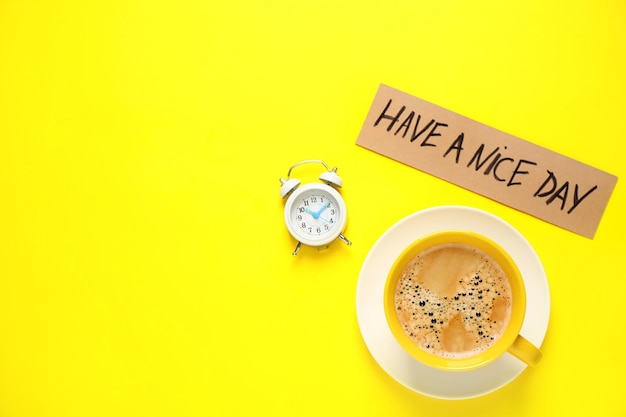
(315, 215)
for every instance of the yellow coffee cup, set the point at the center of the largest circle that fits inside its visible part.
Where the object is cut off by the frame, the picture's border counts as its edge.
(455, 301)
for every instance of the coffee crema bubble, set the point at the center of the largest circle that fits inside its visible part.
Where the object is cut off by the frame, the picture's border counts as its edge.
(453, 300)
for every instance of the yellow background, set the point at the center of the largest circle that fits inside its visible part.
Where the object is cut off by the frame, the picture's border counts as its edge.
(144, 266)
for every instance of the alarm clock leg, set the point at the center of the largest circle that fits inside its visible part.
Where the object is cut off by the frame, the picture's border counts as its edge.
(342, 237)
(295, 251)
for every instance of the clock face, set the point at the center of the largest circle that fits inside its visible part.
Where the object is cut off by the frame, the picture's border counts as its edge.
(315, 214)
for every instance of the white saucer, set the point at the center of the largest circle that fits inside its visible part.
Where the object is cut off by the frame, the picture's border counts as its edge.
(379, 339)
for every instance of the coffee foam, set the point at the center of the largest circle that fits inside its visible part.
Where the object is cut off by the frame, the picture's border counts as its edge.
(453, 300)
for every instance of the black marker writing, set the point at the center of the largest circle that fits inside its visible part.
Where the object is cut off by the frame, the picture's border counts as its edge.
(494, 162)
(411, 119)
(433, 133)
(394, 119)
(457, 146)
(518, 171)
(561, 193)
(477, 156)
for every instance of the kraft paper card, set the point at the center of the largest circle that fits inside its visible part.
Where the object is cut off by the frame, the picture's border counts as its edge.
(513, 171)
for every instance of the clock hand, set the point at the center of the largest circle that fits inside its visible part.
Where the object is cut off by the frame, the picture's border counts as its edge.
(327, 221)
(316, 214)
(312, 213)
(322, 208)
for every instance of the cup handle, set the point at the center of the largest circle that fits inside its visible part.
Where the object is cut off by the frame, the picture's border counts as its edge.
(525, 351)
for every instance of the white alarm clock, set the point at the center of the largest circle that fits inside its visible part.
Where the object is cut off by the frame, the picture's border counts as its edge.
(315, 214)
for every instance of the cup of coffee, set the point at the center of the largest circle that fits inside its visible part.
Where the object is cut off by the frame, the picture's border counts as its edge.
(455, 300)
